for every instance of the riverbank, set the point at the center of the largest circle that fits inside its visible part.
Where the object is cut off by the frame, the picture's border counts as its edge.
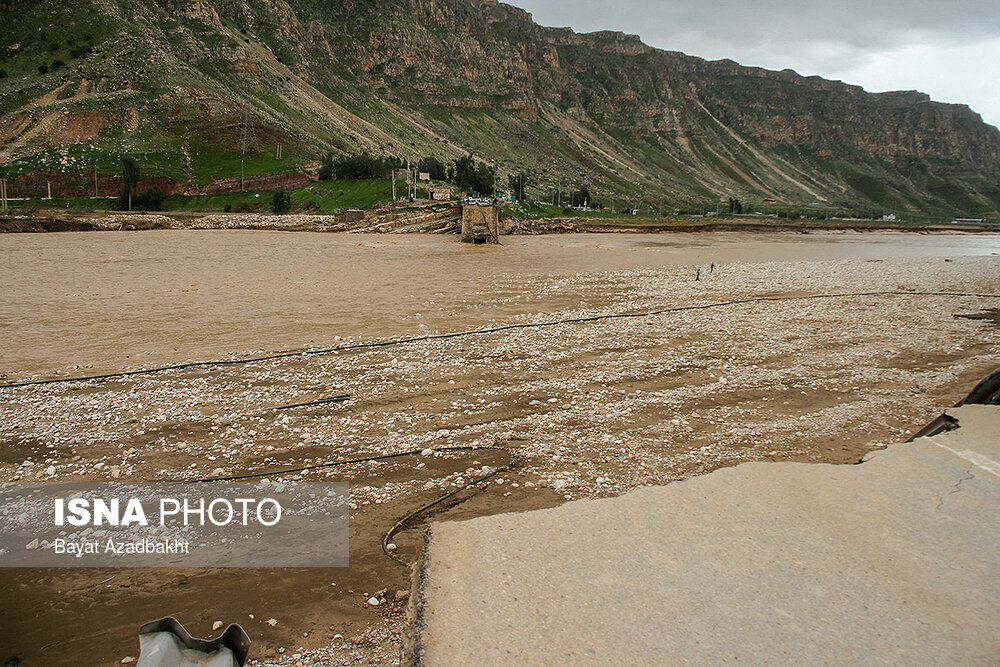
(440, 217)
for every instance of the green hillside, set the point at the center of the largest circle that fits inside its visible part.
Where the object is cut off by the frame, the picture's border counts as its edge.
(199, 90)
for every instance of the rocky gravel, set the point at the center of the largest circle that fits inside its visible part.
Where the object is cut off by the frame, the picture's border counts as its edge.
(590, 409)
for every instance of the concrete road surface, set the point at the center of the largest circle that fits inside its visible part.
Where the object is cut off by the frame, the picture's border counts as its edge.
(893, 561)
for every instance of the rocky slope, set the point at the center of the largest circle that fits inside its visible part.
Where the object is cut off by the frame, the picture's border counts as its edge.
(176, 80)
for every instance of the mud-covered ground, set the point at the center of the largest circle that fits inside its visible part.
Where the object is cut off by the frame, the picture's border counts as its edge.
(590, 409)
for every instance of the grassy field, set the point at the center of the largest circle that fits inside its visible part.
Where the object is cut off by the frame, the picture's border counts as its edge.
(319, 197)
(209, 166)
(205, 166)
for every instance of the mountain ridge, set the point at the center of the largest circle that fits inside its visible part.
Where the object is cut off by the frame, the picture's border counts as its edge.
(174, 80)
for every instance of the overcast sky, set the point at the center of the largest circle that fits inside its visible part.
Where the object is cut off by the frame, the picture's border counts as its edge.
(950, 50)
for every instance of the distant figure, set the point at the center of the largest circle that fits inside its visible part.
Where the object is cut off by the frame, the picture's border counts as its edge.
(712, 270)
(697, 276)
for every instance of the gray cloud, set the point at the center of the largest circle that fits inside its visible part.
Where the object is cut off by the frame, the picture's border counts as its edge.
(838, 38)
(766, 23)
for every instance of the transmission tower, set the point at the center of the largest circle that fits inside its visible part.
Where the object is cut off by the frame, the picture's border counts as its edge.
(248, 140)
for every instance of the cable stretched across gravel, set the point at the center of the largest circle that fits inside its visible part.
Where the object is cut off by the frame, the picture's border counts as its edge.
(480, 332)
(403, 523)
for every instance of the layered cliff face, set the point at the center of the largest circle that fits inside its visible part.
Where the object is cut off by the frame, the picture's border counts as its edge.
(175, 79)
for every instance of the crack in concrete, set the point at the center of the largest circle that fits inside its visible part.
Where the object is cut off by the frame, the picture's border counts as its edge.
(957, 486)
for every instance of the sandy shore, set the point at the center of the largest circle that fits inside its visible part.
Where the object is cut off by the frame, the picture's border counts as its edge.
(591, 409)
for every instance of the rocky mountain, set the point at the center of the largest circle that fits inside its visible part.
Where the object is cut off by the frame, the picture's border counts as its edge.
(188, 85)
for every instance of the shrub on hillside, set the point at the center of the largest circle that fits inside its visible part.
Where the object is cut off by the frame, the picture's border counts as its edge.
(326, 167)
(150, 200)
(281, 203)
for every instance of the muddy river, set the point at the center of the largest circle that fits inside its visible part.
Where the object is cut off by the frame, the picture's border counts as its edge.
(113, 300)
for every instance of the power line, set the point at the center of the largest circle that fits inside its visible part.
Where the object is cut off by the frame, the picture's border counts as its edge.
(485, 331)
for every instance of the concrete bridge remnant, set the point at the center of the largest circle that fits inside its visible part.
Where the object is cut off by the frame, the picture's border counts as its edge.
(480, 221)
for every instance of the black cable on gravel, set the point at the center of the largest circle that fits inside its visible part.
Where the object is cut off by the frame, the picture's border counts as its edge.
(480, 332)
(407, 521)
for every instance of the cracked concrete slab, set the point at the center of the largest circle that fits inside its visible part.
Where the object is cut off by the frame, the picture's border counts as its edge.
(895, 561)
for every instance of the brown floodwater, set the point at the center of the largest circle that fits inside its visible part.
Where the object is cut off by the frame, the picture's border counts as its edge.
(113, 300)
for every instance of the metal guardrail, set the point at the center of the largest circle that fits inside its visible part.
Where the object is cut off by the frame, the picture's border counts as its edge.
(987, 392)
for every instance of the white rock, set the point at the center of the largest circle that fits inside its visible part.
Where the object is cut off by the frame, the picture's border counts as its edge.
(33, 544)
(272, 622)
(216, 625)
(427, 452)
(373, 601)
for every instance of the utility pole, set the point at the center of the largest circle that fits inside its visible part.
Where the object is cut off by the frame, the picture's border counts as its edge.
(559, 190)
(407, 179)
(3, 192)
(49, 183)
(95, 181)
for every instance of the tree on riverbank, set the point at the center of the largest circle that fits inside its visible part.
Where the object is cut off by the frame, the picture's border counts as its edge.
(281, 203)
(130, 178)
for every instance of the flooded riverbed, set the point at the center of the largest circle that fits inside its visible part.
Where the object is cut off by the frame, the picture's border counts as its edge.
(590, 409)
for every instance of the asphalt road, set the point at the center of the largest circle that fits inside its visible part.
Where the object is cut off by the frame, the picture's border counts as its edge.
(893, 561)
